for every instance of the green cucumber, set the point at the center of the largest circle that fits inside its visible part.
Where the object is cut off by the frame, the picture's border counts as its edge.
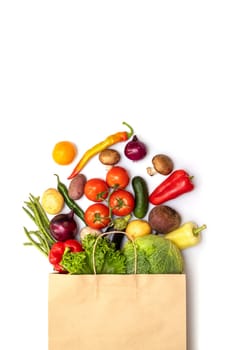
(141, 197)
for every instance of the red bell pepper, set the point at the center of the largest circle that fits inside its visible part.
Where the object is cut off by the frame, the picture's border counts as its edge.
(57, 250)
(177, 183)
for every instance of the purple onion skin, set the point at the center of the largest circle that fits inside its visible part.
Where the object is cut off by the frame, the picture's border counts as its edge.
(63, 227)
(135, 149)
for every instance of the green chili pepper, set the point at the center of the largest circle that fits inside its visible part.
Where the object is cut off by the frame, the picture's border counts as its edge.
(69, 202)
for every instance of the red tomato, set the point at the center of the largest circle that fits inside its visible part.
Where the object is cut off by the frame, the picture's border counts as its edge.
(97, 216)
(117, 177)
(121, 202)
(96, 189)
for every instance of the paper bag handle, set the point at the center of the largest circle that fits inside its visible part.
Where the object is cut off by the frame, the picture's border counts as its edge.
(110, 233)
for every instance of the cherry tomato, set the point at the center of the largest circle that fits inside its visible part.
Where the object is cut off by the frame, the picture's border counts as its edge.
(97, 216)
(117, 177)
(96, 189)
(121, 202)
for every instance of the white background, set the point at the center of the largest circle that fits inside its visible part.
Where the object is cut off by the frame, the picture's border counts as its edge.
(76, 70)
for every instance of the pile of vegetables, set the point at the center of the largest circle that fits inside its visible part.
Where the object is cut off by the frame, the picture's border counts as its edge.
(125, 228)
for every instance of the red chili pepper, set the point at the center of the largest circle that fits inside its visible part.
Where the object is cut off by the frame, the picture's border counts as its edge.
(57, 250)
(109, 141)
(174, 185)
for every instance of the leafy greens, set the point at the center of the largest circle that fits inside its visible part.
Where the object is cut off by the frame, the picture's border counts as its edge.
(108, 260)
(154, 255)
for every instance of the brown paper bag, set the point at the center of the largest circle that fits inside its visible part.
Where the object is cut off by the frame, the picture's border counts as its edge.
(122, 312)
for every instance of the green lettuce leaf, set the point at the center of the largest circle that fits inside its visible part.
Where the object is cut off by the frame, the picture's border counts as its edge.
(107, 259)
(75, 263)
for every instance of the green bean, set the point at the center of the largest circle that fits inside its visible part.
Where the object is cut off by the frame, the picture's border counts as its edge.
(28, 212)
(37, 214)
(42, 246)
(40, 210)
(41, 225)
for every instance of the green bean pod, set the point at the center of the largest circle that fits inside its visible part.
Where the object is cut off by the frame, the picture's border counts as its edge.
(141, 197)
(69, 202)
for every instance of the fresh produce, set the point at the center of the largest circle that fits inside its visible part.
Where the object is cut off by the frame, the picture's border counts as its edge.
(109, 156)
(76, 186)
(187, 235)
(116, 238)
(162, 164)
(138, 228)
(41, 237)
(64, 152)
(141, 197)
(87, 230)
(144, 234)
(63, 226)
(117, 177)
(96, 189)
(97, 216)
(52, 201)
(108, 142)
(177, 183)
(99, 256)
(58, 249)
(118, 224)
(154, 255)
(69, 202)
(164, 219)
(121, 202)
(135, 150)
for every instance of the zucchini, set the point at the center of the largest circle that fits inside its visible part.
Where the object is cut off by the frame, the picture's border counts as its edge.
(141, 197)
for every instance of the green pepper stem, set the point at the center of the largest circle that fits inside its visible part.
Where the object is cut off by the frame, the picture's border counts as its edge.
(58, 180)
(130, 133)
(197, 230)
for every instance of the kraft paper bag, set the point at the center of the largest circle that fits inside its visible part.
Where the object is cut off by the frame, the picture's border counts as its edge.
(117, 312)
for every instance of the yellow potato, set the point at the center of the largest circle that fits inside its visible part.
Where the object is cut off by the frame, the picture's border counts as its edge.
(52, 201)
(138, 228)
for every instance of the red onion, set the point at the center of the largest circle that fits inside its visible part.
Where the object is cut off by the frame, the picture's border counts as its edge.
(135, 149)
(63, 226)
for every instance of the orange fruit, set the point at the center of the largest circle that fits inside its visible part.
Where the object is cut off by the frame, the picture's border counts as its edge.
(64, 152)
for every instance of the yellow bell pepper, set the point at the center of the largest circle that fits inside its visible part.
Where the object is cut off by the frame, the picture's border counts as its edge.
(186, 235)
